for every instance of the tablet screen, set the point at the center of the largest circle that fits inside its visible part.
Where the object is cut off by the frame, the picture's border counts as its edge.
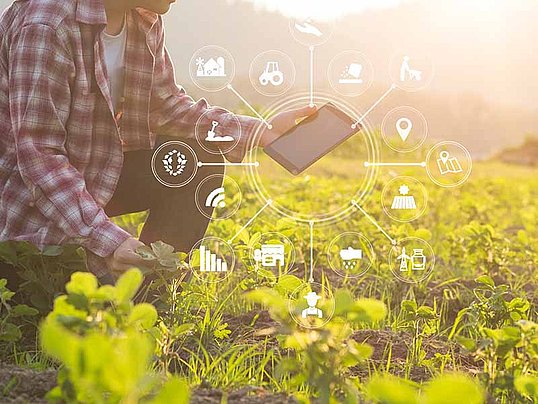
(311, 139)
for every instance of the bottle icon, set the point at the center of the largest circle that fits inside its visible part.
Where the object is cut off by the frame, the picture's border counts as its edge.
(418, 260)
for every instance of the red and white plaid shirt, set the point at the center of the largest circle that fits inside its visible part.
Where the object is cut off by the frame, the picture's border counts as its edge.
(61, 148)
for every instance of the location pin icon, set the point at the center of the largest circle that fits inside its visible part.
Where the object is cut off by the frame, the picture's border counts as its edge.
(444, 156)
(404, 126)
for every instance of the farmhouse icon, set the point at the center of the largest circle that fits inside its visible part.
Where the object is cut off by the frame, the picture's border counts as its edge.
(211, 68)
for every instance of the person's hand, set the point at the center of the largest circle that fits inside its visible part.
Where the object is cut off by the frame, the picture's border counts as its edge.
(283, 122)
(125, 257)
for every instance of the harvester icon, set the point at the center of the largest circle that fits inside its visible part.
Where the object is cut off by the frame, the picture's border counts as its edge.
(272, 74)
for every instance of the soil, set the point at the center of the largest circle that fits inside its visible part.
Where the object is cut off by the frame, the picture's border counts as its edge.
(19, 385)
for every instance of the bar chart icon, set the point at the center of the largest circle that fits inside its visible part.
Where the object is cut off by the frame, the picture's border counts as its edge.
(209, 262)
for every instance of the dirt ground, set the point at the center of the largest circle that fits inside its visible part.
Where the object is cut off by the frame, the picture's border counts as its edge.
(18, 385)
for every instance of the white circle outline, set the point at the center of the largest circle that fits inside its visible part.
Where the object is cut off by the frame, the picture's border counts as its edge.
(224, 178)
(419, 213)
(220, 151)
(229, 77)
(286, 88)
(371, 175)
(469, 169)
(231, 267)
(396, 272)
(325, 320)
(386, 139)
(363, 238)
(402, 87)
(154, 171)
(351, 94)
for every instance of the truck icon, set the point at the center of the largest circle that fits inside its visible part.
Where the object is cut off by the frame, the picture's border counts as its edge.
(270, 255)
(272, 74)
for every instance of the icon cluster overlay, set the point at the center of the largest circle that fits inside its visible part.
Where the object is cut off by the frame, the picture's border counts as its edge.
(350, 255)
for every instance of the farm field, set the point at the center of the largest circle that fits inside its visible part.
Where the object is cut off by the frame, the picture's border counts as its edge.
(467, 333)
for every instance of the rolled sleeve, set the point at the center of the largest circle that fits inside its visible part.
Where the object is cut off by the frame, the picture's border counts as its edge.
(173, 112)
(40, 101)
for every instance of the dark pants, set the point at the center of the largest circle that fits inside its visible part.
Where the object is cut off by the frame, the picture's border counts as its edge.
(173, 215)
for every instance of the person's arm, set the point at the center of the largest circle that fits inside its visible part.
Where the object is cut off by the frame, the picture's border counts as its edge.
(39, 98)
(172, 110)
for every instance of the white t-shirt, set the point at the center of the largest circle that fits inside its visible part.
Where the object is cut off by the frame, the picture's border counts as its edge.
(114, 50)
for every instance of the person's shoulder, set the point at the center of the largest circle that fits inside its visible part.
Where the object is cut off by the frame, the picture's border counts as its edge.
(52, 13)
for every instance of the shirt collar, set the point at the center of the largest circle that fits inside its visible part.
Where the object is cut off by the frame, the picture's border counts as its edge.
(91, 12)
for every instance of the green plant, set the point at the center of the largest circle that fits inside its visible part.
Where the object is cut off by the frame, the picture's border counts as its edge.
(318, 360)
(106, 344)
(11, 316)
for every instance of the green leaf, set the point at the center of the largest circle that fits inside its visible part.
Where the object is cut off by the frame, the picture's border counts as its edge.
(146, 253)
(127, 285)
(174, 391)
(527, 386)
(288, 283)
(10, 333)
(24, 310)
(367, 311)
(388, 389)
(162, 250)
(453, 388)
(82, 283)
(485, 280)
(53, 251)
(143, 314)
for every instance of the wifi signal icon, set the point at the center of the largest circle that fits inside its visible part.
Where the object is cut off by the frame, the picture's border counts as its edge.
(216, 198)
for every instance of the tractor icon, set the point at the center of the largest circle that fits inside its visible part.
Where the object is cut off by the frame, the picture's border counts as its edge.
(272, 74)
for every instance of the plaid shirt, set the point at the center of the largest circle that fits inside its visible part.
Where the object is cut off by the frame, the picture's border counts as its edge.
(61, 146)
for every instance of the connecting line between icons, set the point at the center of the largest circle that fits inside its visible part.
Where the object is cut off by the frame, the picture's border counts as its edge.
(392, 87)
(371, 219)
(233, 90)
(311, 49)
(258, 213)
(421, 164)
(311, 224)
(226, 164)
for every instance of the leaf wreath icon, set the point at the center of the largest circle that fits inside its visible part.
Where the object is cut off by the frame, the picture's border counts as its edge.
(179, 167)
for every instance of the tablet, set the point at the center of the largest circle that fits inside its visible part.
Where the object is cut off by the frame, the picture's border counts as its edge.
(312, 138)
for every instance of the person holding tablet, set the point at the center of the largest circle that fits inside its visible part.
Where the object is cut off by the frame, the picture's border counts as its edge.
(87, 91)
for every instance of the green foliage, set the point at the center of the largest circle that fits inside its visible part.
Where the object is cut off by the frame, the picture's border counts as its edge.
(11, 316)
(43, 273)
(445, 389)
(106, 345)
(320, 358)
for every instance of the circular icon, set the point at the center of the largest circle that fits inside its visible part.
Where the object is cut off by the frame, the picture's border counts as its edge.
(412, 260)
(212, 68)
(306, 196)
(404, 199)
(311, 305)
(350, 254)
(272, 73)
(218, 136)
(174, 164)
(272, 251)
(350, 73)
(212, 259)
(218, 197)
(311, 32)
(411, 72)
(404, 129)
(449, 164)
